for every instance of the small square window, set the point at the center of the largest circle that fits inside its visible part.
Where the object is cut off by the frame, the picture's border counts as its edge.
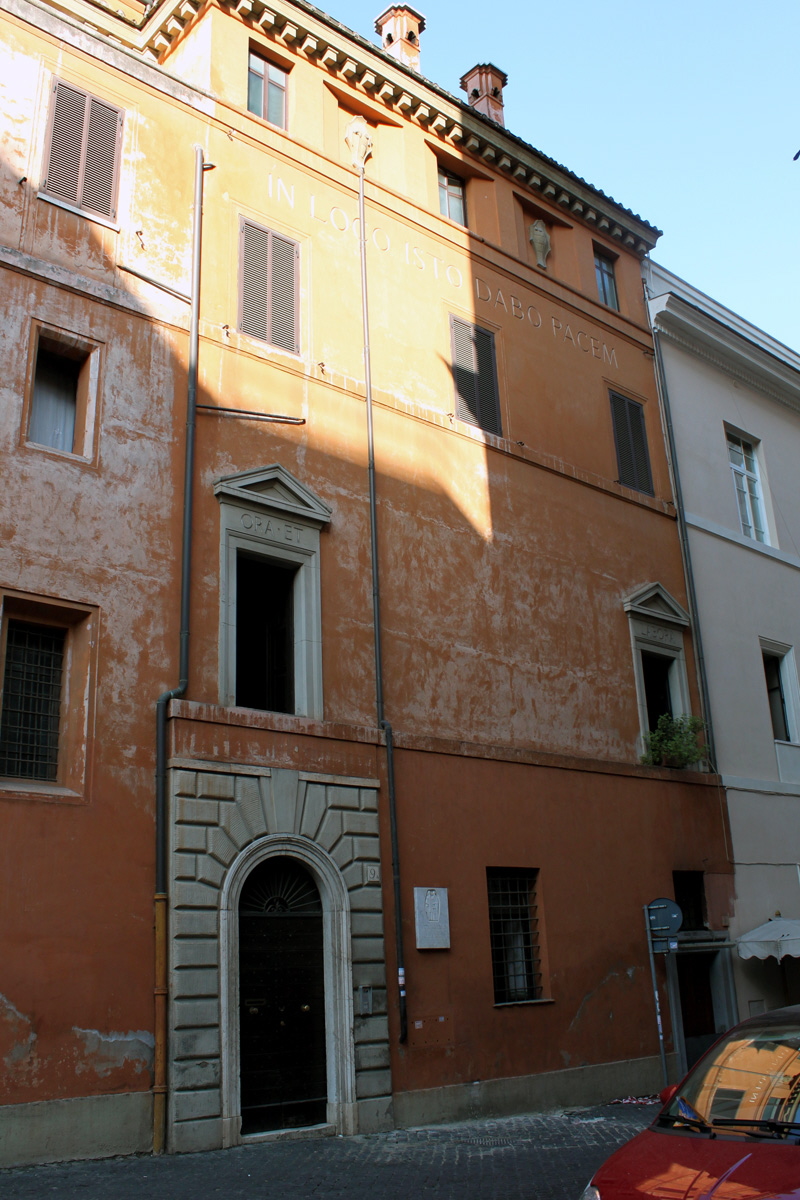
(514, 934)
(62, 404)
(266, 90)
(452, 203)
(606, 279)
(744, 465)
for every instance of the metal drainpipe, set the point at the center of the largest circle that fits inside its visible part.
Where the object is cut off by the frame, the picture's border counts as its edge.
(697, 639)
(161, 990)
(376, 621)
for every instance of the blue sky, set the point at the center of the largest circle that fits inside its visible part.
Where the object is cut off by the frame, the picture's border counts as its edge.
(687, 113)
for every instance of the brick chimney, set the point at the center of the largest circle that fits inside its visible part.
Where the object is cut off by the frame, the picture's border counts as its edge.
(400, 27)
(484, 87)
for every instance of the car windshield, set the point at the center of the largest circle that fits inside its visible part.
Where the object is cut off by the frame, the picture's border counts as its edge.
(748, 1085)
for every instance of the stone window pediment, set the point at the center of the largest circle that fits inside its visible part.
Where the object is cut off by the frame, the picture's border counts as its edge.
(270, 602)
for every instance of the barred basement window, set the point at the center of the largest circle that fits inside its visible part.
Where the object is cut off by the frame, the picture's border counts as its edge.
(31, 706)
(475, 376)
(630, 438)
(83, 148)
(514, 934)
(268, 286)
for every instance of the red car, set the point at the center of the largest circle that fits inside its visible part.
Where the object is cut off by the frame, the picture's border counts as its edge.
(729, 1131)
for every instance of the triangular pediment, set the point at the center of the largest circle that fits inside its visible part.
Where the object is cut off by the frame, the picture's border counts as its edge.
(654, 602)
(274, 489)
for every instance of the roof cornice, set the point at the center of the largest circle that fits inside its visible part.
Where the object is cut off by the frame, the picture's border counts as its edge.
(724, 346)
(368, 71)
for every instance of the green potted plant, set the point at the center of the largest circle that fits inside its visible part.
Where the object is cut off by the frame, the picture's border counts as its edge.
(673, 742)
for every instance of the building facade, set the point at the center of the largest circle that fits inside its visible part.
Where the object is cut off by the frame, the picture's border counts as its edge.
(391, 659)
(733, 393)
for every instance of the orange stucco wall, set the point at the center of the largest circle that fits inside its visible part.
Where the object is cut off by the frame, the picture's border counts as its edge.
(505, 561)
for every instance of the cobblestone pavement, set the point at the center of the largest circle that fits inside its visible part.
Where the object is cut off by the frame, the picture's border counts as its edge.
(543, 1156)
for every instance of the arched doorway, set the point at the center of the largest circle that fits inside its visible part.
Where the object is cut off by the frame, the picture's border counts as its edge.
(282, 1054)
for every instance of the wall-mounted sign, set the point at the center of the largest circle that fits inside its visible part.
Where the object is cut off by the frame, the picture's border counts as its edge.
(432, 918)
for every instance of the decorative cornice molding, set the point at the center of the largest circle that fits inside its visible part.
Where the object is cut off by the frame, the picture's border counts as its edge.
(367, 70)
(726, 349)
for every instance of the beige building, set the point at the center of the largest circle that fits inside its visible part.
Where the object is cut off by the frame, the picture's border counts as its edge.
(733, 396)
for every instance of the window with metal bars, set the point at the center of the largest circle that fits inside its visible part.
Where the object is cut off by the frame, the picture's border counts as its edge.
(30, 715)
(514, 934)
(475, 375)
(630, 438)
(83, 150)
(268, 286)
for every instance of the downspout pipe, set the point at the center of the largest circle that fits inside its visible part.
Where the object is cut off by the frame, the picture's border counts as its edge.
(161, 964)
(697, 637)
(376, 621)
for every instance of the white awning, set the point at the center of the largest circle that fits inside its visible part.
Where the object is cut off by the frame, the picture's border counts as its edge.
(777, 938)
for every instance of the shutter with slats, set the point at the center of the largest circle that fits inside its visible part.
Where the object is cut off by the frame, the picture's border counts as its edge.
(475, 376)
(630, 437)
(65, 159)
(268, 286)
(284, 293)
(83, 151)
(100, 173)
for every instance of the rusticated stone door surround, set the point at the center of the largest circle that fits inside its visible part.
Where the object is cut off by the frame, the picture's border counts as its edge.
(225, 820)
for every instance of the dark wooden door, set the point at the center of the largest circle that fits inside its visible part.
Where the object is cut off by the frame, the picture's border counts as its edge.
(281, 999)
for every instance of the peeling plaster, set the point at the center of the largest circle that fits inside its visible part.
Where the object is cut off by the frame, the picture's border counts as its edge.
(20, 1031)
(590, 995)
(106, 1052)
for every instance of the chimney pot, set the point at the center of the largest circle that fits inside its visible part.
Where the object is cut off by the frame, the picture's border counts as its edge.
(484, 87)
(399, 28)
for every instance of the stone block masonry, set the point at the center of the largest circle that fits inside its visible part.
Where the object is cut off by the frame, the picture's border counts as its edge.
(220, 815)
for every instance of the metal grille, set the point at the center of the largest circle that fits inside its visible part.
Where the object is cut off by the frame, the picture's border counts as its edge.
(31, 701)
(514, 933)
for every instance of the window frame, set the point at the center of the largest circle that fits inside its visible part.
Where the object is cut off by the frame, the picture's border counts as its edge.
(78, 199)
(492, 422)
(753, 476)
(248, 282)
(268, 513)
(790, 689)
(605, 275)
(90, 352)
(657, 626)
(536, 966)
(640, 478)
(446, 178)
(76, 718)
(282, 87)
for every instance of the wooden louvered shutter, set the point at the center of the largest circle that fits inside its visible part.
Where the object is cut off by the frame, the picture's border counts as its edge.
(283, 294)
(268, 286)
(630, 437)
(83, 151)
(475, 375)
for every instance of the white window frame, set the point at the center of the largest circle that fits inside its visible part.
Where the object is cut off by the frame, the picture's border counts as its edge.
(270, 513)
(789, 686)
(755, 476)
(657, 625)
